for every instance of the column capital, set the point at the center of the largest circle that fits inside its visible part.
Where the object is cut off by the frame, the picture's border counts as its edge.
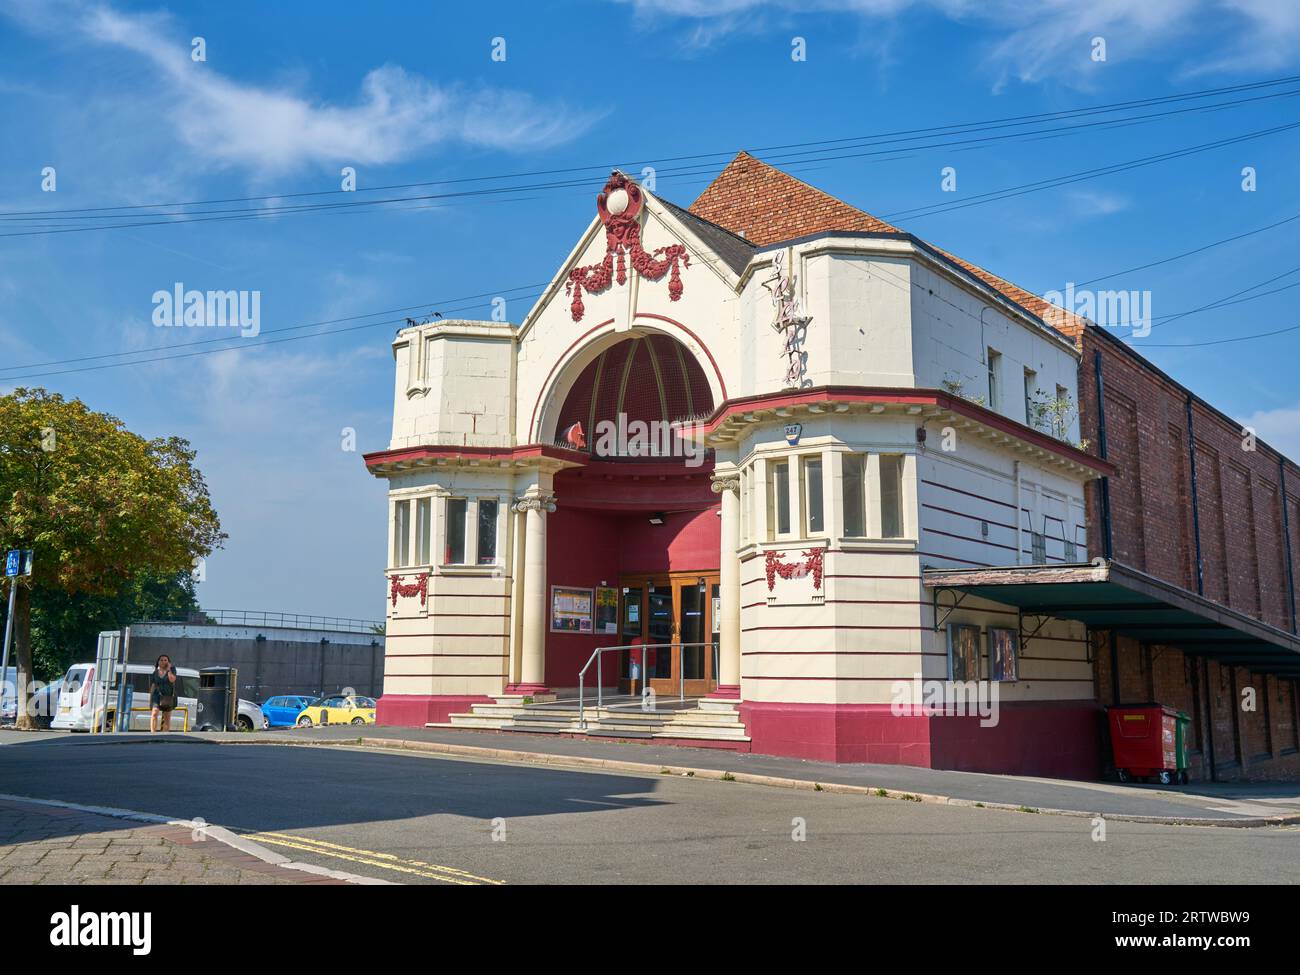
(535, 502)
(726, 481)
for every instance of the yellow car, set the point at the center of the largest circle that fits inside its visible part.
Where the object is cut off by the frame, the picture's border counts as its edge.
(339, 709)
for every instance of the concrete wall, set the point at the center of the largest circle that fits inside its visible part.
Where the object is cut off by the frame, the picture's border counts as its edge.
(454, 640)
(454, 385)
(287, 661)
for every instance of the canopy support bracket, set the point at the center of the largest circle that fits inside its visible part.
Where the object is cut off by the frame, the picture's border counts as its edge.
(1042, 619)
(958, 597)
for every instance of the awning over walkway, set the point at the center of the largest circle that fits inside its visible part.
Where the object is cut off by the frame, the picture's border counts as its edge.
(1110, 596)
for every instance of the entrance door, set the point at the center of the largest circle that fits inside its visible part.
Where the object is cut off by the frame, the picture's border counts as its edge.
(673, 609)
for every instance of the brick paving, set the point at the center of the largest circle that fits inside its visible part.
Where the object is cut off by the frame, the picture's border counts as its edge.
(52, 845)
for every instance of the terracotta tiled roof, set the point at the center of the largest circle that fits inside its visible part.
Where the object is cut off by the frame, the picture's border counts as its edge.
(766, 206)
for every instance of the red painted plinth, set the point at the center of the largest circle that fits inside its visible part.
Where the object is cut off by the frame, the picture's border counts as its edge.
(1057, 739)
(417, 710)
(725, 692)
(528, 690)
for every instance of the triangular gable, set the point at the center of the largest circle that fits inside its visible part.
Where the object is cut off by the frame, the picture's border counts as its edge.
(702, 244)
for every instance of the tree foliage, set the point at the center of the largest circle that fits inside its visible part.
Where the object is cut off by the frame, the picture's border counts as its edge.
(65, 626)
(97, 503)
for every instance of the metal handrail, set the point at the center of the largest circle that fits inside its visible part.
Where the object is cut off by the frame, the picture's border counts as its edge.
(600, 683)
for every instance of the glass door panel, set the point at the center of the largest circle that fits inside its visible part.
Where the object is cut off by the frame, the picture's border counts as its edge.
(660, 628)
(693, 630)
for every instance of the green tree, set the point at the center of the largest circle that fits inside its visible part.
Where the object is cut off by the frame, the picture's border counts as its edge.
(65, 626)
(98, 504)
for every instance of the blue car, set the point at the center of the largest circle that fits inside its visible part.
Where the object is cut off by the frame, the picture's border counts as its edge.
(283, 711)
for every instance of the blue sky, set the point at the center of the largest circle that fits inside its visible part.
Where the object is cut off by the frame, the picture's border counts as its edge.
(109, 95)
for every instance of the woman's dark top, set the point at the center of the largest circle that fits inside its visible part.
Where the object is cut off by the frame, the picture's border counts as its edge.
(160, 687)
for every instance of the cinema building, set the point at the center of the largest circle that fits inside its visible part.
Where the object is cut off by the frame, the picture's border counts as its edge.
(804, 474)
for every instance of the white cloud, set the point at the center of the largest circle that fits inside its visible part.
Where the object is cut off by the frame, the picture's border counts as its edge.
(226, 122)
(1279, 428)
(1096, 203)
(1034, 40)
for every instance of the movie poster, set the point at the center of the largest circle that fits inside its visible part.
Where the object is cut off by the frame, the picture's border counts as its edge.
(571, 609)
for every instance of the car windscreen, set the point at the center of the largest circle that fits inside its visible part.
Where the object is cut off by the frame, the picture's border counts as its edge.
(75, 676)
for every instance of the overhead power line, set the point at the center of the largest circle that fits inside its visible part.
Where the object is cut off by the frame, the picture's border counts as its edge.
(895, 134)
(147, 215)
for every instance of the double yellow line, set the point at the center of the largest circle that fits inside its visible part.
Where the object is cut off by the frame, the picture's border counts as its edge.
(373, 858)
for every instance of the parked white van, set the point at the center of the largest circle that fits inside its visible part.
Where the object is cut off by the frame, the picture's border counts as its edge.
(78, 712)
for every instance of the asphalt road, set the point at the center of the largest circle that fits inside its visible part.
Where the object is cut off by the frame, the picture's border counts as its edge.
(414, 818)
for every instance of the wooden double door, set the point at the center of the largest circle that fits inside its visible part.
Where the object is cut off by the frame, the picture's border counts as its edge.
(679, 609)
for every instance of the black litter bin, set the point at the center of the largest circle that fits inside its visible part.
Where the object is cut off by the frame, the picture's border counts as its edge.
(218, 700)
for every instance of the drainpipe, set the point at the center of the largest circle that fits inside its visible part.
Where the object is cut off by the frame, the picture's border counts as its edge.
(1200, 587)
(1209, 718)
(1104, 486)
(1286, 540)
(1196, 508)
(1114, 669)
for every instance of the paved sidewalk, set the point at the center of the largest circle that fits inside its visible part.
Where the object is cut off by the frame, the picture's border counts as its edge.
(1225, 804)
(47, 844)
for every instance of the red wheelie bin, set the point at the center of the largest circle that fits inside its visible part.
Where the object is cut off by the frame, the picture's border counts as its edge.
(1148, 742)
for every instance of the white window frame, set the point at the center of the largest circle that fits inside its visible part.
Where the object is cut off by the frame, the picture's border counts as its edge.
(446, 525)
(418, 535)
(864, 459)
(805, 495)
(400, 534)
(994, 377)
(901, 498)
(772, 514)
(496, 532)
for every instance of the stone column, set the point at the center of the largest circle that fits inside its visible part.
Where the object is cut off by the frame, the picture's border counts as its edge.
(727, 484)
(532, 664)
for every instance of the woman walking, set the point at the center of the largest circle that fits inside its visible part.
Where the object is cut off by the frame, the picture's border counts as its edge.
(162, 694)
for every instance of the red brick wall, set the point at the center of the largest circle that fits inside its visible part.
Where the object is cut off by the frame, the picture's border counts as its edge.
(1242, 553)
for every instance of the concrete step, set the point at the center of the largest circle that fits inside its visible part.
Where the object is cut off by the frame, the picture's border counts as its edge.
(710, 721)
(540, 729)
(707, 717)
(694, 735)
(730, 707)
(467, 721)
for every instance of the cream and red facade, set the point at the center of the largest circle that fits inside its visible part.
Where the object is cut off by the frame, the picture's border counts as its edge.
(890, 435)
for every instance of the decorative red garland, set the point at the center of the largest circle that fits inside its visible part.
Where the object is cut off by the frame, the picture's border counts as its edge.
(812, 563)
(623, 237)
(420, 588)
